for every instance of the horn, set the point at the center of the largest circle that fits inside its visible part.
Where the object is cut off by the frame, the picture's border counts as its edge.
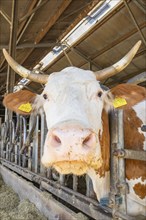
(119, 66)
(25, 73)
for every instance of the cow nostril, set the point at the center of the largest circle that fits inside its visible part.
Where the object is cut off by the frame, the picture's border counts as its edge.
(87, 140)
(57, 139)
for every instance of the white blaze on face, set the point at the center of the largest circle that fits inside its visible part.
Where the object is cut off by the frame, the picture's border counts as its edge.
(73, 110)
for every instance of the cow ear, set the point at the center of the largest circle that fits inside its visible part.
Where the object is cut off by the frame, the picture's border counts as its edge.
(127, 95)
(20, 102)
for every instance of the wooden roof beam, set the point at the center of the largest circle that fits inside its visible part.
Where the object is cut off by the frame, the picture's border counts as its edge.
(22, 27)
(3, 13)
(134, 21)
(50, 23)
(30, 45)
(52, 20)
(137, 3)
(77, 51)
(33, 11)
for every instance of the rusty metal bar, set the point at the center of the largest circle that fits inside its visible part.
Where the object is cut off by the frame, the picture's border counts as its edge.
(134, 21)
(113, 162)
(131, 154)
(121, 162)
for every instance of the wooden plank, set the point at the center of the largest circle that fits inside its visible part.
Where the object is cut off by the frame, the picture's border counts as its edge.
(52, 20)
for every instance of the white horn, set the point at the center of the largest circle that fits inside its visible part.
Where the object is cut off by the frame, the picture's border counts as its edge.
(119, 66)
(25, 73)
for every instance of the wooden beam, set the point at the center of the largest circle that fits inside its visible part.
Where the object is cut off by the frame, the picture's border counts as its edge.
(3, 13)
(140, 6)
(30, 45)
(12, 51)
(135, 22)
(21, 27)
(12, 45)
(33, 11)
(118, 41)
(85, 57)
(52, 20)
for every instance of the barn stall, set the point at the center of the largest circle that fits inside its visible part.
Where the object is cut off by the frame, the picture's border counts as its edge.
(90, 34)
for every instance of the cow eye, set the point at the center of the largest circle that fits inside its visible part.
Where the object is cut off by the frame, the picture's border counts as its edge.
(99, 94)
(45, 96)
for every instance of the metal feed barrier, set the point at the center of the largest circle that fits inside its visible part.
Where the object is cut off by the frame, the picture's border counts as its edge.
(21, 148)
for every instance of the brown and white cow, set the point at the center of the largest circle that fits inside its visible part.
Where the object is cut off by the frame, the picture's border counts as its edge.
(78, 135)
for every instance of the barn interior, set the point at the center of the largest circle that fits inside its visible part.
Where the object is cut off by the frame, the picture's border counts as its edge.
(46, 36)
(89, 34)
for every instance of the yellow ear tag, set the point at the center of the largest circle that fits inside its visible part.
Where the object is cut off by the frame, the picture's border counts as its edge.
(118, 102)
(25, 107)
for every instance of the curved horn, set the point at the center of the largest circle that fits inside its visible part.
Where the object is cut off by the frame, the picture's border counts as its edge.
(119, 66)
(25, 73)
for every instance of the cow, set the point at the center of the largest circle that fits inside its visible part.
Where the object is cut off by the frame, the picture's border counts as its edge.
(78, 140)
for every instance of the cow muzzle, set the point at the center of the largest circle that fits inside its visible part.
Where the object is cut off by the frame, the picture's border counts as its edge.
(70, 148)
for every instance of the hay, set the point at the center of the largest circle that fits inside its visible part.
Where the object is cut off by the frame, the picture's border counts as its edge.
(11, 208)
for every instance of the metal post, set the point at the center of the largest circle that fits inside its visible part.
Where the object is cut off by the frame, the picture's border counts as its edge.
(35, 146)
(75, 183)
(31, 119)
(43, 134)
(62, 179)
(121, 166)
(113, 161)
(20, 141)
(89, 187)
(24, 140)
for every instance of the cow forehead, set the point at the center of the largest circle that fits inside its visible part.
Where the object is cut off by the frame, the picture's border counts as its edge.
(73, 74)
(71, 77)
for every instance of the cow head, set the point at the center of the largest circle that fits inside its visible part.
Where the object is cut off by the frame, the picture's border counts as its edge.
(74, 103)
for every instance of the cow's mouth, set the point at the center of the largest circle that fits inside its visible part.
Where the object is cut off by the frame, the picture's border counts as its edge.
(71, 167)
(75, 167)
